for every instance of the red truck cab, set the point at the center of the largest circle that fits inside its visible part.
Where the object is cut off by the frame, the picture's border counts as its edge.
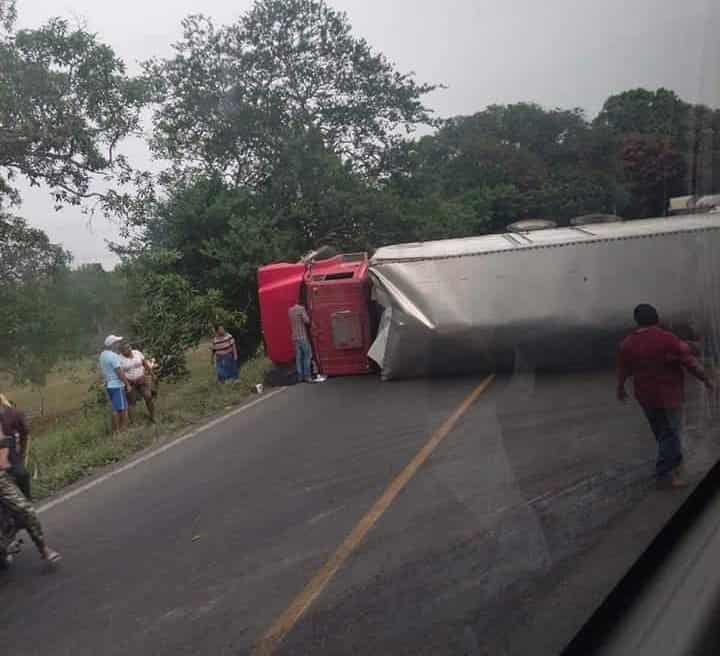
(336, 293)
(338, 298)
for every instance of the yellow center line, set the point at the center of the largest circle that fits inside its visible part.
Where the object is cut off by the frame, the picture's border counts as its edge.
(289, 618)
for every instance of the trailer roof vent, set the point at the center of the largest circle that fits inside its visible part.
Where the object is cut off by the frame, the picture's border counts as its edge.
(589, 219)
(528, 225)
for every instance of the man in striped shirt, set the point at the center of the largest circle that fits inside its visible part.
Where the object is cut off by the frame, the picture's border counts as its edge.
(224, 354)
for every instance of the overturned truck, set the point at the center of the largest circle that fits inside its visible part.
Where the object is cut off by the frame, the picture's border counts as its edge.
(548, 299)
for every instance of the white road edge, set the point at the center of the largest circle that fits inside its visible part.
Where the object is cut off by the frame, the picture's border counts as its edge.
(155, 452)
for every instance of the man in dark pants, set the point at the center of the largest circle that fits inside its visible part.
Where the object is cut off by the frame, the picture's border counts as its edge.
(13, 500)
(17, 432)
(655, 358)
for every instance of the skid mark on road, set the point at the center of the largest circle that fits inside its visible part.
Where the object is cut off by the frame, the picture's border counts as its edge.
(289, 618)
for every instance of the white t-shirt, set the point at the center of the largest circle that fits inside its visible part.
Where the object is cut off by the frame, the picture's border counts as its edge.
(133, 366)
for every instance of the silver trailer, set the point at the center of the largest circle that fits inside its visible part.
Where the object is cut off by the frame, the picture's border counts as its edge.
(552, 299)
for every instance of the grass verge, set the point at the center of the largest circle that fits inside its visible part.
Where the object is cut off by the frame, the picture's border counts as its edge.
(79, 444)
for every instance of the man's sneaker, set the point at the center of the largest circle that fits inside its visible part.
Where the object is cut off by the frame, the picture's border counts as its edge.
(673, 483)
(676, 483)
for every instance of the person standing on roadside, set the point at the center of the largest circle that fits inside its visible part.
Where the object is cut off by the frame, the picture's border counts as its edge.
(655, 359)
(117, 385)
(224, 354)
(17, 433)
(299, 321)
(139, 374)
(14, 500)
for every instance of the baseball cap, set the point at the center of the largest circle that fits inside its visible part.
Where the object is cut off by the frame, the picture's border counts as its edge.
(112, 339)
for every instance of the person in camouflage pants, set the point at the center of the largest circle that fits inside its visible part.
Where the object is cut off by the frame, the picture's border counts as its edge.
(14, 500)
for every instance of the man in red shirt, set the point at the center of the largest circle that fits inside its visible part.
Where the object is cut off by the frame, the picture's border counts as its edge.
(655, 358)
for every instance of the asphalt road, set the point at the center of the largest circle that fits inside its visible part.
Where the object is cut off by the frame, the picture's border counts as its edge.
(502, 542)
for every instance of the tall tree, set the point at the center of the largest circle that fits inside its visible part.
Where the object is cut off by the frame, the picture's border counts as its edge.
(277, 128)
(231, 97)
(661, 113)
(662, 117)
(65, 104)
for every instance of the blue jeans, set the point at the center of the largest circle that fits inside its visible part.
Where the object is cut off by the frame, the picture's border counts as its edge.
(303, 359)
(226, 367)
(665, 424)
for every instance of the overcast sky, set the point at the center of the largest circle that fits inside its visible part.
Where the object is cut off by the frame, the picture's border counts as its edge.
(567, 53)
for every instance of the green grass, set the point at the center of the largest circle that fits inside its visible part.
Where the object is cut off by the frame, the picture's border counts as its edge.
(78, 442)
(65, 390)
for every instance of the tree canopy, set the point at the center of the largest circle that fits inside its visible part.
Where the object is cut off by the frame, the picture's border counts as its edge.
(65, 105)
(233, 97)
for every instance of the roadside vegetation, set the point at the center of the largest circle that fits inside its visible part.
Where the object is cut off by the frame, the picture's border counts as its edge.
(73, 439)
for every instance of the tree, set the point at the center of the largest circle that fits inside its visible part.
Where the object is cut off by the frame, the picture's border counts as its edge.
(479, 173)
(33, 333)
(317, 196)
(8, 14)
(97, 304)
(277, 128)
(202, 217)
(51, 312)
(552, 135)
(232, 97)
(639, 111)
(463, 156)
(65, 104)
(220, 235)
(171, 316)
(26, 253)
(567, 193)
(689, 130)
(653, 171)
(704, 152)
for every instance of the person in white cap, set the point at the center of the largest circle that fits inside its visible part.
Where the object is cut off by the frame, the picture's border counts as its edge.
(116, 382)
